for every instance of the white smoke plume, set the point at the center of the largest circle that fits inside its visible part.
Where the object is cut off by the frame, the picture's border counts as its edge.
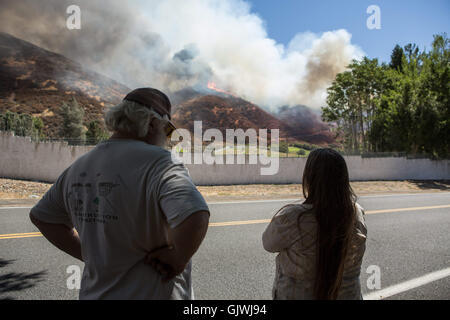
(174, 44)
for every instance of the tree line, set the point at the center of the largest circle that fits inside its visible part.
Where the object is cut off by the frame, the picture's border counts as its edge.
(402, 106)
(23, 125)
(73, 129)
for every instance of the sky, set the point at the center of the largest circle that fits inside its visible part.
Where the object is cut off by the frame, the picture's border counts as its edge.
(402, 21)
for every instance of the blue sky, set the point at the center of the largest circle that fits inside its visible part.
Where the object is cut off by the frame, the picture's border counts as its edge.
(402, 21)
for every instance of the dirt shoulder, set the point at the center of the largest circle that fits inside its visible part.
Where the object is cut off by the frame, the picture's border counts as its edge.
(287, 191)
(20, 192)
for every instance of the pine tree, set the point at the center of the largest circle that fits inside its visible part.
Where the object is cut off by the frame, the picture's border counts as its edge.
(37, 129)
(397, 58)
(72, 127)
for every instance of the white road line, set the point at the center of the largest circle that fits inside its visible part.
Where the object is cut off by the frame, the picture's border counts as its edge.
(408, 285)
(15, 208)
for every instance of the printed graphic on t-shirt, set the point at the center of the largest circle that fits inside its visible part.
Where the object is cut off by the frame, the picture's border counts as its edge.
(90, 201)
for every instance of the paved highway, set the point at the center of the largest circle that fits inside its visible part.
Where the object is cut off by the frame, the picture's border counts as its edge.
(408, 240)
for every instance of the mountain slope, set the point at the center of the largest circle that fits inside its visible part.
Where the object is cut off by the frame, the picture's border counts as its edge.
(224, 113)
(304, 124)
(36, 81)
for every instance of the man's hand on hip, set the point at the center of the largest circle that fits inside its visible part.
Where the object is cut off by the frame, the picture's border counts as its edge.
(165, 260)
(185, 239)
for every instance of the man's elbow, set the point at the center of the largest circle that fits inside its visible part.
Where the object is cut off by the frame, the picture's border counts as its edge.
(204, 219)
(37, 223)
(33, 219)
(201, 222)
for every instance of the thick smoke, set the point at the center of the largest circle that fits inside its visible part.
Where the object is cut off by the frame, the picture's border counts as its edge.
(174, 44)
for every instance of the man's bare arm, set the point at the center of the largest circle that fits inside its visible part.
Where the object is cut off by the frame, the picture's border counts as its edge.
(61, 236)
(187, 237)
(185, 240)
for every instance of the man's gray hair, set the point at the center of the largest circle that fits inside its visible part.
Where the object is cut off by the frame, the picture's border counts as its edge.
(130, 117)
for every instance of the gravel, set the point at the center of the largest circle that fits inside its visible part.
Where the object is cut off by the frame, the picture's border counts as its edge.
(32, 191)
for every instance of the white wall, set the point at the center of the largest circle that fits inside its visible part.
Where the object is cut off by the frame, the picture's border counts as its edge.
(44, 161)
(22, 159)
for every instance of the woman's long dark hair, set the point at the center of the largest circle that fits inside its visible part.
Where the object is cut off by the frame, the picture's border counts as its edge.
(326, 187)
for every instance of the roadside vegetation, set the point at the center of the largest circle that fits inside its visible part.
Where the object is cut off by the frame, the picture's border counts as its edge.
(402, 106)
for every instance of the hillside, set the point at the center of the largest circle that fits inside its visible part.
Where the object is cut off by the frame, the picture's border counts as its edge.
(225, 113)
(304, 124)
(37, 81)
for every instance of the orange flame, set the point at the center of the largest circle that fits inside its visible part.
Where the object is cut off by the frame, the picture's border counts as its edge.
(212, 86)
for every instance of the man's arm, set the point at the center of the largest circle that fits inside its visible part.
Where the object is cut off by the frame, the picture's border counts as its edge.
(185, 240)
(61, 236)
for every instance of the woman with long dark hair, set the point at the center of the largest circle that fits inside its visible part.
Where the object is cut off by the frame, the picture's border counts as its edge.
(321, 242)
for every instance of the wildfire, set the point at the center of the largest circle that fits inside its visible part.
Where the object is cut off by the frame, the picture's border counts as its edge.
(212, 86)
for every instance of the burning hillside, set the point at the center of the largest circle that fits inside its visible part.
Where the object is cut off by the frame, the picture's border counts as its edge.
(306, 125)
(37, 81)
(225, 113)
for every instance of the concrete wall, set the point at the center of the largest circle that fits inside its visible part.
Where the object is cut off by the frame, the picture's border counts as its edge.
(44, 161)
(20, 158)
(291, 171)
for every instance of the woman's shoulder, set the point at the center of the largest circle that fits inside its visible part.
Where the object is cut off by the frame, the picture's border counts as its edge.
(360, 219)
(360, 211)
(291, 211)
(359, 207)
(295, 208)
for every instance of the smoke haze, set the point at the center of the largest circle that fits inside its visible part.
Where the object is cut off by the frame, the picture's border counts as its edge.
(174, 44)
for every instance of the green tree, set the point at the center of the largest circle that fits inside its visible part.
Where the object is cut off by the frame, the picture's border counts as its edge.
(25, 125)
(72, 127)
(401, 107)
(95, 132)
(432, 116)
(2, 122)
(37, 129)
(284, 147)
(397, 57)
(11, 121)
(22, 124)
(352, 100)
(339, 108)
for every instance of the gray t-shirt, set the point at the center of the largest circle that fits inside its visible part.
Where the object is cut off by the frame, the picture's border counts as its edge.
(121, 197)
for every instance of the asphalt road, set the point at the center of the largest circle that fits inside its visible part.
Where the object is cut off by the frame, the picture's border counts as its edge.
(231, 264)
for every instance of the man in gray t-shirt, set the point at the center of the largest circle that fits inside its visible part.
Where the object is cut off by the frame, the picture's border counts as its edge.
(127, 210)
